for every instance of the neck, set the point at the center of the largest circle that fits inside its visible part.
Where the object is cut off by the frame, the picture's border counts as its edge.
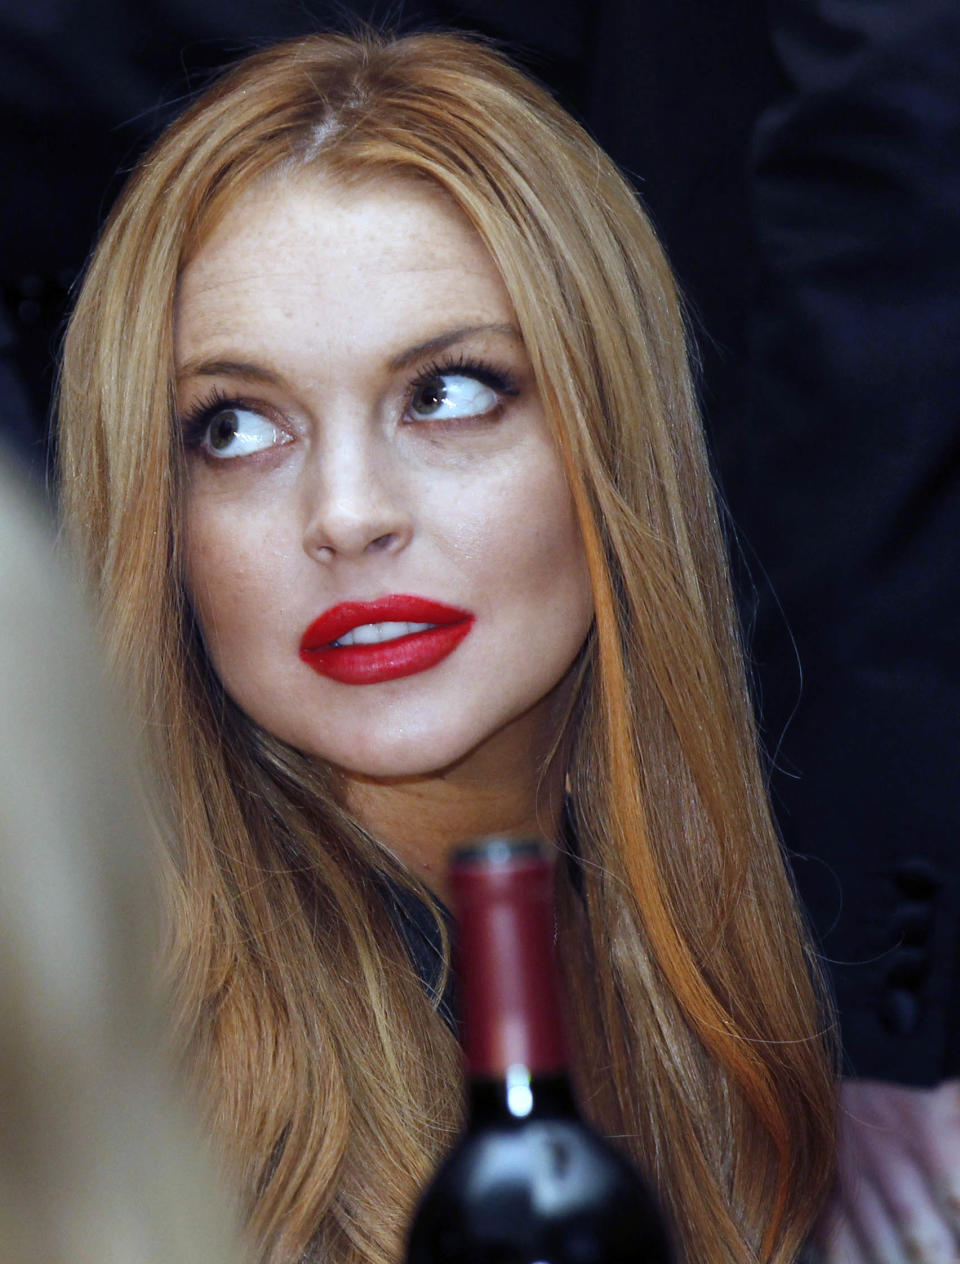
(423, 818)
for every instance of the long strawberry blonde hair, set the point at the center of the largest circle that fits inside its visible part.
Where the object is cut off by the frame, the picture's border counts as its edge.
(332, 1083)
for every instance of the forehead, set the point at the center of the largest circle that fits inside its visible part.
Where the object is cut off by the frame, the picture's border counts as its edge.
(310, 229)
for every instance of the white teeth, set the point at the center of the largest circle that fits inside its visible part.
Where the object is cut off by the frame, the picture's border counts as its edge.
(374, 633)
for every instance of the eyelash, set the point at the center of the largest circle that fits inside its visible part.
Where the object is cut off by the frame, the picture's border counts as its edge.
(195, 422)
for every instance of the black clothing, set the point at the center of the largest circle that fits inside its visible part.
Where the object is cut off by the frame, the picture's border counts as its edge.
(848, 484)
(418, 928)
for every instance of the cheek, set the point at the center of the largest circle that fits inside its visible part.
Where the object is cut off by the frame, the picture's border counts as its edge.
(226, 572)
(537, 525)
(524, 542)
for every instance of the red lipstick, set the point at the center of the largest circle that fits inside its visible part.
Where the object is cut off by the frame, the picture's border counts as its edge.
(404, 654)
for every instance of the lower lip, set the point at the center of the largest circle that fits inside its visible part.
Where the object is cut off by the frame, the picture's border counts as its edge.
(388, 660)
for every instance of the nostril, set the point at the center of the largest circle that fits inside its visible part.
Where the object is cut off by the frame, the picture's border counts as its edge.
(381, 542)
(342, 534)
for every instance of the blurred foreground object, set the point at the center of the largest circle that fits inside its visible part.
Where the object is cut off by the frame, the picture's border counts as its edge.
(97, 1164)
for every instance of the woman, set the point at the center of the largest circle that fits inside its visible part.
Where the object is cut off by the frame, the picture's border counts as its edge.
(379, 439)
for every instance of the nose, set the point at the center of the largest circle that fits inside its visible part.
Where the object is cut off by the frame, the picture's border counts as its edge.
(356, 504)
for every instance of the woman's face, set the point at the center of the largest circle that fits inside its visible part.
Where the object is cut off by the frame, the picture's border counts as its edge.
(381, 547)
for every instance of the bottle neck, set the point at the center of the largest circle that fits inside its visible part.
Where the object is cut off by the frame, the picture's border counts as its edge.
(519, 1095)
(512, 1023)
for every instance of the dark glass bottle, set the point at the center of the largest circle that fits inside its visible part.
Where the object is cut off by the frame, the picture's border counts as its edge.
(528, 1182)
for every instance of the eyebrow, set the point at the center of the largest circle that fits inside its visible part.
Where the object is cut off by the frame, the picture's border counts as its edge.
(229, 368)
(432, 346)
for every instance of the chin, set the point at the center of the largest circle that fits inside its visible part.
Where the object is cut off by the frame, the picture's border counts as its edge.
(397, 765)
(429, 754)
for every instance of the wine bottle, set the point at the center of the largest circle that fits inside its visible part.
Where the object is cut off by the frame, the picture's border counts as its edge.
(528, 1182)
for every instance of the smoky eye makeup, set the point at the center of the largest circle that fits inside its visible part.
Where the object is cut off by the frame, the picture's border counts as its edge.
(223, 427)
(460, 390)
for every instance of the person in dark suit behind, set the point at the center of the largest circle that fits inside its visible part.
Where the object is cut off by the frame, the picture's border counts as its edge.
(849, 483)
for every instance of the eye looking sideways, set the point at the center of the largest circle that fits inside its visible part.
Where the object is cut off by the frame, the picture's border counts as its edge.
(381, 546)
(223, 428)
(464, 391)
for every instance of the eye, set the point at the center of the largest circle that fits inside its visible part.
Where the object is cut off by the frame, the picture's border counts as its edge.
(444, 396)
(234, 431)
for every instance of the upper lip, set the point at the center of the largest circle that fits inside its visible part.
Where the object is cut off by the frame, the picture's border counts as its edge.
(396, 608)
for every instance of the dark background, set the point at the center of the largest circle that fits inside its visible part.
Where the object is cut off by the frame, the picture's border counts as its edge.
(801, 161)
